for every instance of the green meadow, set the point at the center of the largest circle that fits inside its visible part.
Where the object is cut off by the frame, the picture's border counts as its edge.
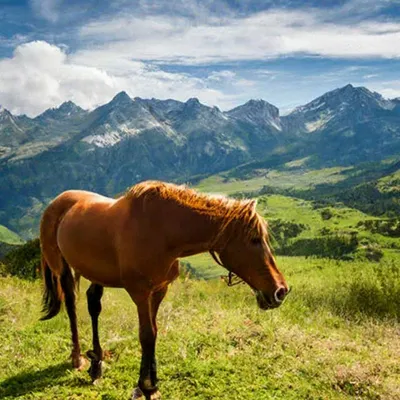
(337, 335)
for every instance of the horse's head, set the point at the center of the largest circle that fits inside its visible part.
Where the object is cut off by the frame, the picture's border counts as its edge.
(247, 253)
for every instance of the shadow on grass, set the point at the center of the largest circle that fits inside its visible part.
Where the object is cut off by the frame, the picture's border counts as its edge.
(28, 381)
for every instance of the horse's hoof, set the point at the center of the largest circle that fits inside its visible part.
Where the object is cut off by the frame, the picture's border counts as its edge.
(138, 394)
(96, 366)
(155, 396)
(95, 370)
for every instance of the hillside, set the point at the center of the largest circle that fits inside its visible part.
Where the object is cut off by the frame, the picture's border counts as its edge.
(372, 187)
(7, 236)
(8, 240)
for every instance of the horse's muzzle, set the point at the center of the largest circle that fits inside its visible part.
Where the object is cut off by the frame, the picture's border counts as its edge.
(266, 302)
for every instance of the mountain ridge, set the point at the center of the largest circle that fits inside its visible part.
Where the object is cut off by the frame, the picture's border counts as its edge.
(127, 140)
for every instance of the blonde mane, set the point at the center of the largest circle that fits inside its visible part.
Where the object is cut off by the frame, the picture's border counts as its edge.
(240, 215)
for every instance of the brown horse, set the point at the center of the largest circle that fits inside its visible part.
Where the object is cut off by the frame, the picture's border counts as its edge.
(134, 243)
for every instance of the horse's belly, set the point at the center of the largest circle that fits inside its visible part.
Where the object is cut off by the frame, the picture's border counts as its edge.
(97, 270)
(104, 279)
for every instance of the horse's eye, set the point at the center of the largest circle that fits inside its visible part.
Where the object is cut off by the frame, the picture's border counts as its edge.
(256, 241)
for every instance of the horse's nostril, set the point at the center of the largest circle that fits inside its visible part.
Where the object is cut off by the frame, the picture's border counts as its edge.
(280, 294)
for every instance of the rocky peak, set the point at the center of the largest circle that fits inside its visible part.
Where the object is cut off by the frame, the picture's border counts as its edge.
(342, 101)
(69, 108)
(193, 103)
(193, 109)
(121, 98)
(5, 115)
(64, 111)
(257, 112)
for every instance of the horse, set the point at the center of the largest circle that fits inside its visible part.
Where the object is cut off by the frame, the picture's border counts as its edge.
(134, 242)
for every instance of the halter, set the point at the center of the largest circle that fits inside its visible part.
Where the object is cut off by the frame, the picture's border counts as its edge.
(231, 279)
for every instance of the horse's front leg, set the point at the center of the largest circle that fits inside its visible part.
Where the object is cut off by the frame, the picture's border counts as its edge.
(147, 385)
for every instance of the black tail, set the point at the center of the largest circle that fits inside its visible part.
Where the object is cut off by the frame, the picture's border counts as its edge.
(52, 295)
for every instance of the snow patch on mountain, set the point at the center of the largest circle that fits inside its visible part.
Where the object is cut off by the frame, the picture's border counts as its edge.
(107, 140)
(111, 136)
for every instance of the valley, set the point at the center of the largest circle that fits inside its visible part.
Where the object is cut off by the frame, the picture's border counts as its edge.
(128, 140)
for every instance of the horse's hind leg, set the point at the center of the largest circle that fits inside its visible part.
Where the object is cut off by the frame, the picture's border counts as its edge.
(68, 286)
(94, 294)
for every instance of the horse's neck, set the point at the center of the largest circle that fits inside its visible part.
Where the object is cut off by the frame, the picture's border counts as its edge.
(195, 233)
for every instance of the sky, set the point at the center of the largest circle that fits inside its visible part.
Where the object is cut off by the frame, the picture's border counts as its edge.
(223, 52)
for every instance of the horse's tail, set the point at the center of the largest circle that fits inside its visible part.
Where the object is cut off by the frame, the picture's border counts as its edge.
(59, 283)
(53, 294)
(57, 289)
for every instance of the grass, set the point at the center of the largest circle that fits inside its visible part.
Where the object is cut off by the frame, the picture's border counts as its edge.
(10, 237)
(298, 178)
(336, 337)
(205, 266)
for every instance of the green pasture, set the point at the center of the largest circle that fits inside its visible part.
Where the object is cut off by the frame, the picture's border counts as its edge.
(286, 178)
(336, 337)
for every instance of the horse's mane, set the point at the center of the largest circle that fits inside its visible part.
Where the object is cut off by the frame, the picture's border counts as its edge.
(238, 214)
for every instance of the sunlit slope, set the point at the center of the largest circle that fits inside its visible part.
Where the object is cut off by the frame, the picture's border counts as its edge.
(7, 236)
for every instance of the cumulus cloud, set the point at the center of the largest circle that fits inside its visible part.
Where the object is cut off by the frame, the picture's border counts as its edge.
(40, 75)
(267, 34)
(209, 53)
(389, 89)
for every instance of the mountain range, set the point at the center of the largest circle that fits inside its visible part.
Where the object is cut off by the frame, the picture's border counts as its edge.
(128, 140)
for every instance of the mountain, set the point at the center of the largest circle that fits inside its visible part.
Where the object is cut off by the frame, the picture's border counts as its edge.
(127, 140)
(66, 111)
(256, 117)
(340, 108)
(114, 146)
(23, 138)
(11, 134)
(257, 113)
(347, 125)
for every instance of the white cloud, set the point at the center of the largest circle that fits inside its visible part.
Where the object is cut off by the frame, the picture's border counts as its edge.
(40, 75)
(389, 89)
(221, 75)
(370, 76)
(264, 35)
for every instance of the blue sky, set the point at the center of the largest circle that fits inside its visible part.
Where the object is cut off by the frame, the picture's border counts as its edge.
(222, 51)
